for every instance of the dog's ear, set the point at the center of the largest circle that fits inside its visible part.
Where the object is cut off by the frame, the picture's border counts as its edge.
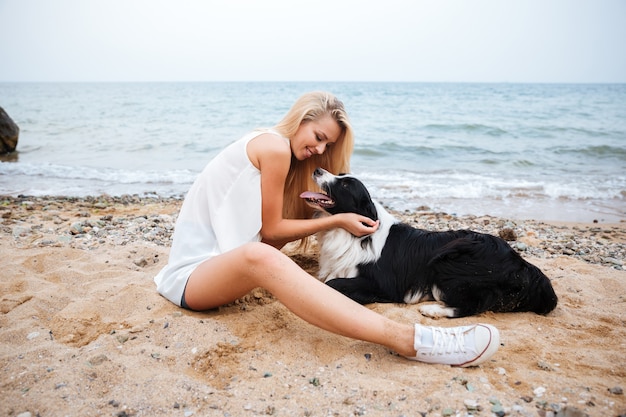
(361, 198)
(368, 206)
(370, 210)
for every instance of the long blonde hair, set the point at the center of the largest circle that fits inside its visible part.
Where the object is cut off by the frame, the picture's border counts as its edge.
(336, 158)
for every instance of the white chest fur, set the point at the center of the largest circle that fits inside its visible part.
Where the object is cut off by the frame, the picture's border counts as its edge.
(341, 252)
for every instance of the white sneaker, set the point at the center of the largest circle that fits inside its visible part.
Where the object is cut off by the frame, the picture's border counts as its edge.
(458, 346)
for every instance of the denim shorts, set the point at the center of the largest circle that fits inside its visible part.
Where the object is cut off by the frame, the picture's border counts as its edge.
(183, 303)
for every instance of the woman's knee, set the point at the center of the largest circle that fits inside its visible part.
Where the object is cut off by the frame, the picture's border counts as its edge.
(259, 254)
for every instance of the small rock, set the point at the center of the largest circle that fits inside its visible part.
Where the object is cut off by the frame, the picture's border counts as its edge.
(447, 412)
(571, 412)
(32, 335)
(508, 234)
(617, 390)
(471, 405)
(76, 228)
(545, 366)
(614, 261)
(141, 262)
(498, 410)
(98, 360)
(21, 231)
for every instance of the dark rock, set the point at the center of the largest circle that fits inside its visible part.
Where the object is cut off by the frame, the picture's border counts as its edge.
(9, 132)
(568, 411)
(508, 234)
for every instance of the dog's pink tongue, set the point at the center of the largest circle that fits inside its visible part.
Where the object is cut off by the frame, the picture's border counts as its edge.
(310, 195)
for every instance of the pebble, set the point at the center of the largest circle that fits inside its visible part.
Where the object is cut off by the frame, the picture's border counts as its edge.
(508, 234)
(472, 405)
(595, 245)
(570, 412)
(447, 412)
(32, 335)
(141, 262)
(498, 410)
(76, 228)
(98, 360)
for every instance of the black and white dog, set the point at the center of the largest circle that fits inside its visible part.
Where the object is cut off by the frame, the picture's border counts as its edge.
(465, 271)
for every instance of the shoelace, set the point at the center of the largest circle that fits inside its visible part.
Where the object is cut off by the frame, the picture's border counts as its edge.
(448, 340)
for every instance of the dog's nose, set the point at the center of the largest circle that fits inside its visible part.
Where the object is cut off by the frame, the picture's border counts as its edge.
(318, 172)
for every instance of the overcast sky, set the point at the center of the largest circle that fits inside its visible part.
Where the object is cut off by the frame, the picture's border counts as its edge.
(320, 40)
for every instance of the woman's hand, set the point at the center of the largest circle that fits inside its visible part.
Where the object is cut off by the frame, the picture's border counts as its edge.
(356, 224)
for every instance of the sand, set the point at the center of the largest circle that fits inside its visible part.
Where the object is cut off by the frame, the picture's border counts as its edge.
(84, 332)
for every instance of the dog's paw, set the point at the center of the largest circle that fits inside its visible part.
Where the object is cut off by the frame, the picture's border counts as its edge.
(436, 311)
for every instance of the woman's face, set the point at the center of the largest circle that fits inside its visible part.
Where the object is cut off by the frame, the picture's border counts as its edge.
(314, 137)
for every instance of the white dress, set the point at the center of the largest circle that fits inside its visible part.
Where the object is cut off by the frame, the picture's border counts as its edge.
(221, 211)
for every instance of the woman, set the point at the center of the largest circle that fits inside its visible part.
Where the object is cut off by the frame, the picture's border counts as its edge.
(244, 207)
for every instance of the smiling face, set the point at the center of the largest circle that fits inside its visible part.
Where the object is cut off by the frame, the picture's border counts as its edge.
(314, 137)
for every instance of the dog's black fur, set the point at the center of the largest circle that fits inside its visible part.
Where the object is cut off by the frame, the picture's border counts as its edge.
(468, 272)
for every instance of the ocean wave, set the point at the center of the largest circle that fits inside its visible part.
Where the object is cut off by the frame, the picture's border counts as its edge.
(553, 131)
(595, 151)
(398, 185)
(104, 175)
(473, 128)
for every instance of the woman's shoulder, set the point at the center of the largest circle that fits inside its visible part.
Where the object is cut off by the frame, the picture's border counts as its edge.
(268, 144)
(270, 140)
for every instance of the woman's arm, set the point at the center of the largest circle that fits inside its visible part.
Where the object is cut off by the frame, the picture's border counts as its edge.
(272, 156)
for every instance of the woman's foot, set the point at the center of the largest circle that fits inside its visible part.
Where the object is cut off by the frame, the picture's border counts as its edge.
(458, 346)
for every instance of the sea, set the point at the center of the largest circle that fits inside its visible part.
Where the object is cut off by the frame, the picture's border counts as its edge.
(553, 152)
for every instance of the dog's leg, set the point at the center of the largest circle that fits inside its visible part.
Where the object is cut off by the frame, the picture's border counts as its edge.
(437, 311)
(362, 290)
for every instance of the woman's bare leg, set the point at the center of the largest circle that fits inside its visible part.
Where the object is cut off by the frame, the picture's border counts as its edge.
(231, 275)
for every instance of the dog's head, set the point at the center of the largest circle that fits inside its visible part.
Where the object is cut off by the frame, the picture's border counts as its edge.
(342, 193)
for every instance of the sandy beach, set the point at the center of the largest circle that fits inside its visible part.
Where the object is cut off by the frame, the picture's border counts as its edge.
(84, 332)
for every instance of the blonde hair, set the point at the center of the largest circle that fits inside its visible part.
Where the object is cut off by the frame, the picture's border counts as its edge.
(336, 158)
